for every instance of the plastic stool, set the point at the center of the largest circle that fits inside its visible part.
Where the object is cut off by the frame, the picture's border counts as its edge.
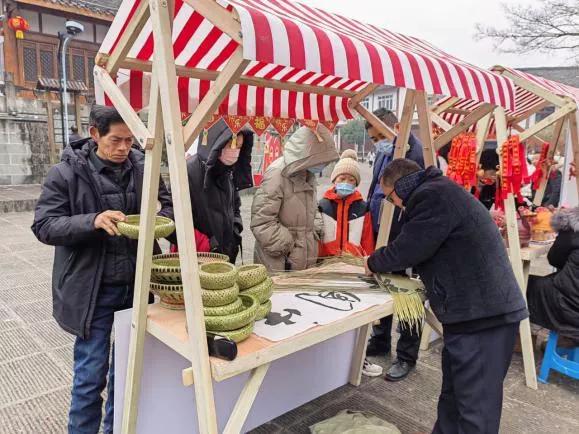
(563, 360)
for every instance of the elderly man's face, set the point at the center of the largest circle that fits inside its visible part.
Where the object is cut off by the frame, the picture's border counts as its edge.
(114, 146)
(391, 196)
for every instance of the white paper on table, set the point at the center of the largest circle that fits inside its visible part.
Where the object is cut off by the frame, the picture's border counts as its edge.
(295, 312)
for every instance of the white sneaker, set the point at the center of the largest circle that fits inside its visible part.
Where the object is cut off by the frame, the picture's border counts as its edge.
(370, 369)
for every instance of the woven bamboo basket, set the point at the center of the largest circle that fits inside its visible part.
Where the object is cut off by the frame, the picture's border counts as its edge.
(228, 309)
(219, 297)
(171, 295)
(164, 227)
(263, 310)
(262, 291)
(251, 275)
(217, 275)
(237, 320)
(166, 268)
(237, 335)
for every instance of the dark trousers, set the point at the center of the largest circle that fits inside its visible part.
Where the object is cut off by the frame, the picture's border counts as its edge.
(91, 365)
(408, 344)
(474, 367)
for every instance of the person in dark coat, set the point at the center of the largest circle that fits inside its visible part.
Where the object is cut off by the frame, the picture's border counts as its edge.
(97, 183)
(381, 341)
(216, 175)
(74, 136)
(487, 177)
(554, 299)
(454, 245)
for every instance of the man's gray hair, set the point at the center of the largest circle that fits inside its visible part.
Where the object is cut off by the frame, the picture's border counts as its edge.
(399, 168)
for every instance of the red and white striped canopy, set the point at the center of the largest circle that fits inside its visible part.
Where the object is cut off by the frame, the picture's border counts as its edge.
(295, 43)
(525, 101)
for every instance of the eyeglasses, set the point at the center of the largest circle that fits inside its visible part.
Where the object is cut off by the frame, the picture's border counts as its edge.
(389, 198)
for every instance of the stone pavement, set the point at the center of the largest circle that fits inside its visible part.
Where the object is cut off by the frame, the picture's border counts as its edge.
(36, 360)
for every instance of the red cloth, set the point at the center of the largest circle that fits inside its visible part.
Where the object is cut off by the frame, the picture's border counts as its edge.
(201, 243)
(342, 241)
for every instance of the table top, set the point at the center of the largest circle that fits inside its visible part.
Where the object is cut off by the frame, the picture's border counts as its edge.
(169, 327)
(535, 251)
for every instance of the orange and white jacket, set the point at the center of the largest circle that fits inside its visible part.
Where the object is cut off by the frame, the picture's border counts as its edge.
(347, 225)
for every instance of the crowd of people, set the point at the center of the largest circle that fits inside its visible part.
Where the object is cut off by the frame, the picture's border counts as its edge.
(440, 232)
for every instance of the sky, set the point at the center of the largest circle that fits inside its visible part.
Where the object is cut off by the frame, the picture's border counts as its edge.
(447, 24)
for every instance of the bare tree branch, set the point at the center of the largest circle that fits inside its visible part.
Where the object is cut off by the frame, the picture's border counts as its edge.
(551, 26)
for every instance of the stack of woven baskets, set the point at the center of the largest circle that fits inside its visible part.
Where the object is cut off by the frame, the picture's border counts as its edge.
(227, 312)
(253, 280)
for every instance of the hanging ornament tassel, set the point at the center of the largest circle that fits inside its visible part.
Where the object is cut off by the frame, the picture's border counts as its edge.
(204, 140)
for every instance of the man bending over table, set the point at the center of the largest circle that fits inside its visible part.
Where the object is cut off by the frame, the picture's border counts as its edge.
(450, 239)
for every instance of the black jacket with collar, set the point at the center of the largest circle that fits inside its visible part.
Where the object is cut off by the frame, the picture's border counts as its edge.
(454, 245)
(64, 217)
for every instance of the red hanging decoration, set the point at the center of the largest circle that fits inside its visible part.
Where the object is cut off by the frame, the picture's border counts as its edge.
(236, 123)
(540, 166)
(282, 126)
(19, 25)
(462, 160)
(513, 171)
(259, 124)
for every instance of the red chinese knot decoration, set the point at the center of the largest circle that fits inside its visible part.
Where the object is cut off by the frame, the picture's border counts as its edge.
(282, 126)
(513, 171)
(19, 25)
(462, 160)
(540, 166)
(259, 124)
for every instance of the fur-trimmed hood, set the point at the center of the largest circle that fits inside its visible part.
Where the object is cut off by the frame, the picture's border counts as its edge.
(566, 220)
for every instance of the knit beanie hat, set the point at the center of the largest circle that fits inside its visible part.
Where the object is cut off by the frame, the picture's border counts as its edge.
(347, 166)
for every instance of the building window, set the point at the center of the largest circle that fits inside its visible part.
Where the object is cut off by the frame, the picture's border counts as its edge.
(47, 62)
(30, 63)
(366, 103)
(78, 68)
(90, 61)
(386, 101)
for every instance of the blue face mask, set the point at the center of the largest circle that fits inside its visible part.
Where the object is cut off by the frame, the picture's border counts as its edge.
(345, 189)
(317, 169)
(384, 146)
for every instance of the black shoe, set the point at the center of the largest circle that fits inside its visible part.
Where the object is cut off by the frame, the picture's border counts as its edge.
(375, 350)
(398, 371)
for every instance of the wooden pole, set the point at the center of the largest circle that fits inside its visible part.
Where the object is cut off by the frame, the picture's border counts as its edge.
(165, 68)
(144, 258)
(549, 120)
(574, 130)
(463, 125)
(425, 122)
(375, 122)
(553, 147)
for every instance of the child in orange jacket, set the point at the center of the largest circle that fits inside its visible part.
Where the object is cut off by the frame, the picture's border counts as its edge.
(347, 223)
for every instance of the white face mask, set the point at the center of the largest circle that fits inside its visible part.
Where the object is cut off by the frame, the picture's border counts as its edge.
(229, 156)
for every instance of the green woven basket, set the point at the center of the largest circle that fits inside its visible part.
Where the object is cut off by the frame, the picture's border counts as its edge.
(217, 275)
(166, 268)
(171, 295)
(239, 334)
(237, 320)
(262, 291)
(228, 309)
(219, 297)
(263, 310)
(163, 227)
(251, 275)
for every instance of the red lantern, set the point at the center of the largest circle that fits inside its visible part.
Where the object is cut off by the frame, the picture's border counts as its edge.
(19, 25)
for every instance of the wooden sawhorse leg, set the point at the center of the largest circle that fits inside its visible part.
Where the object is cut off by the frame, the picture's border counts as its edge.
(526, 338)
(359, 354)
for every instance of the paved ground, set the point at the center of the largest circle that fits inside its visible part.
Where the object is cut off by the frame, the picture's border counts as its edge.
(35, 363)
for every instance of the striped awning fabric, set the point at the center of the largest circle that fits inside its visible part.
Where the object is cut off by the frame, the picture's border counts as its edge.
(295, 43)
(525, 101)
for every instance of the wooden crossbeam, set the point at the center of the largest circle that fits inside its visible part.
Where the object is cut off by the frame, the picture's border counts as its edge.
(441, 108)
(530, 112)
(531, 87)
(131, 118)
(553, 147)
(574, 131)
(128, 38)
(375, 122)
(549, 120)
(425, 123)
(204, 74)
(463, 125)
(220, 17)
(214, 96)
(361, 95)
(534, 140)
(440, 122)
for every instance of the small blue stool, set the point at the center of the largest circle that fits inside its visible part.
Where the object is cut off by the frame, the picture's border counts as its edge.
(563, 360)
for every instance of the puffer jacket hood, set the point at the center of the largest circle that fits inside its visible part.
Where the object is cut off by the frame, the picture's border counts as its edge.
(566, 220)
(219, 136)
(304, 150)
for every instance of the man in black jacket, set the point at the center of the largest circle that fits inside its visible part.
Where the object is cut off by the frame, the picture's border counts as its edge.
(454, 245)
(409, 342)
(216, 175)
(98, 182)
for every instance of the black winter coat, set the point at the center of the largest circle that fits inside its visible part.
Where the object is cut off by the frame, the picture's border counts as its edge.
(456, 248)
(214, 190)
(554, 299)
(64, 218)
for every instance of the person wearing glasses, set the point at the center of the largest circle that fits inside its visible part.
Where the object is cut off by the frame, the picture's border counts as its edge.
(380, 343)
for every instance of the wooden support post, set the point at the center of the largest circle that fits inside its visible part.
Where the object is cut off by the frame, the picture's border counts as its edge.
(482, 130)
(51, 135)
(167, 78)
(425, 122)
(219, 17)
(144, 258)
(245, 400)
(359, 354)
(553, 146)
(442, 107)
(131, 118)
(361, 95)
(375, 122)
(440, 122)
(463, 125)
(531, 87)
(516, 259)
(574, 130)
(399, 152)
(215, 95)
(549, 120)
